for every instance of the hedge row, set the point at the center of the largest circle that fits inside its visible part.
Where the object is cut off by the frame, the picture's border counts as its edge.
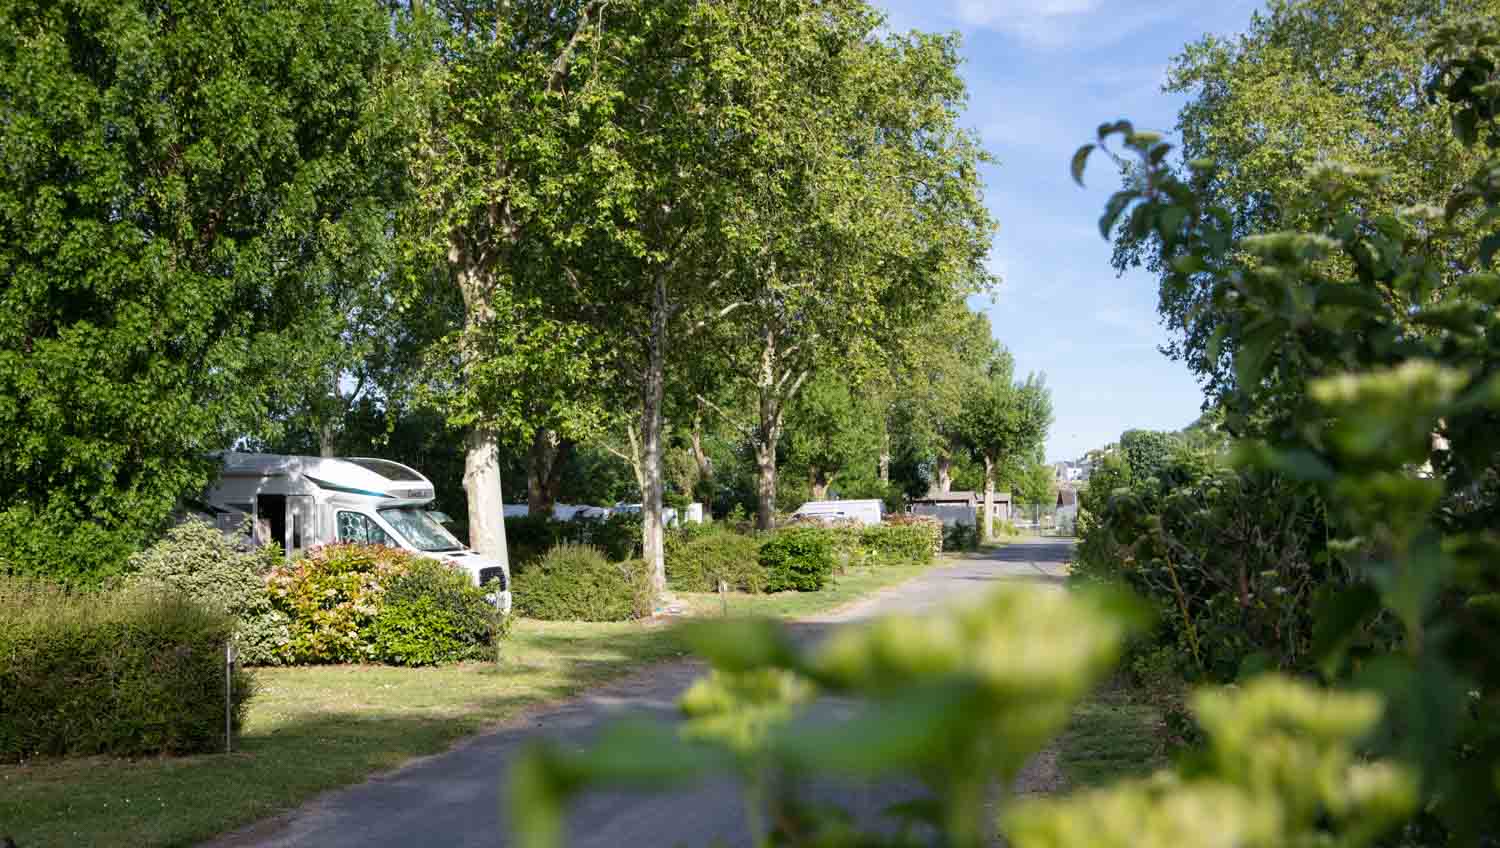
(800, 556)
(133, 672)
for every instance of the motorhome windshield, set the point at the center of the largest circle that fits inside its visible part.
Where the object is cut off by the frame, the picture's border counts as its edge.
(420, 528)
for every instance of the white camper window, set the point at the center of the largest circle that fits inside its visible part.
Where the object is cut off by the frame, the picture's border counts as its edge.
(359, 529)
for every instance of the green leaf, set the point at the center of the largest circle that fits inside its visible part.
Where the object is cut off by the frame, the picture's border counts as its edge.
(1080, 160)
(742, 644)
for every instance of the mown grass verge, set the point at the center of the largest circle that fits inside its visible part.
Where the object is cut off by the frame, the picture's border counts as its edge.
(315, 728)
(1113, 735)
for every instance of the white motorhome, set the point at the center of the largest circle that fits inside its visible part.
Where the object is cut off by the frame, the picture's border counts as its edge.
(300, 502)
(865, 511)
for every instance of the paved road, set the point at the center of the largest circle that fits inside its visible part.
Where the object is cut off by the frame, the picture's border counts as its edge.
(453, 799)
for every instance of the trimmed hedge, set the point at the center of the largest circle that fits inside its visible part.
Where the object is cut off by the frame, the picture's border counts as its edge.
(336, 602)
(913, 538)
(578, 583)
(130, 672)
(800, 558)
(696, 562)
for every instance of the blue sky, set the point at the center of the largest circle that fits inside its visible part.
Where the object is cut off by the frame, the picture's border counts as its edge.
(1042, 75)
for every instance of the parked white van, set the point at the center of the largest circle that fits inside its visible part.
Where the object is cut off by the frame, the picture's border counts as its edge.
(300, 502)
(864, 511)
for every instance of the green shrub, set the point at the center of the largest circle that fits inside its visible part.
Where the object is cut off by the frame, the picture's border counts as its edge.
(55, 544)
(577, 583)
(331, 598)
(700, 562)
(960, 537)
(201, 563)
(903, 538)
(370, 603)
(432, 613)
(129, 672)
(799, 558)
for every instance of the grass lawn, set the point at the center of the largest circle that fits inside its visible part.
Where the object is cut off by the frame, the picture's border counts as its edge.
(1113, 735)
(315, 728)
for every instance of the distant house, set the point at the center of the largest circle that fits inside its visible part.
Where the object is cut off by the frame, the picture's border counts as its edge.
(960, 507)
(1067, 504)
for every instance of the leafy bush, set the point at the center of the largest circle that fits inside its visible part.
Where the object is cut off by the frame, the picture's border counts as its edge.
(903, 545)
(578, 583)
(332, 598)
(431, 613)
(960, 537)
(202, 564)
(698, 563)
(912, 538)
(129, 672)
(799, 558)
(55, 544)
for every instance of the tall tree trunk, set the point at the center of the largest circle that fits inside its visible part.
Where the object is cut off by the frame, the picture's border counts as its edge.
(482, 483)
(944, 473)
(327, 438)
(541, 462)
(652, 390)
(554, 476)
(885, 454)
(767, 433)
(481, 445)
(765, 464)
(989, 498)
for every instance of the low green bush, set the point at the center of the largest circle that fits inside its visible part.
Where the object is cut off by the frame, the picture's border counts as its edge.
(578, 583)
(201, 563)
(697, 561)
(331, 598)
(370, 603)
(432, 613)
(960, 537)
(130, 672)
(903, 538)
(800, 558)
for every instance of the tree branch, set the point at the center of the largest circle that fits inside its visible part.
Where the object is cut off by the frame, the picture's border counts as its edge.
(559, 67)
(748, 431)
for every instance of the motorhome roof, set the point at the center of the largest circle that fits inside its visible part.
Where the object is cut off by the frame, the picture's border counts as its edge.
(358, 476)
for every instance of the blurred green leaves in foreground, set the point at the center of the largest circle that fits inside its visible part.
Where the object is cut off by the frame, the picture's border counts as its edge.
(961, 699)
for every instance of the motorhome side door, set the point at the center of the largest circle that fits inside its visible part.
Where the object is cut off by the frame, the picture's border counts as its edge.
(287, 520)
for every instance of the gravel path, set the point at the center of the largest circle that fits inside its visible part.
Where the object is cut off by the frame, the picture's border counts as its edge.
(453, 798)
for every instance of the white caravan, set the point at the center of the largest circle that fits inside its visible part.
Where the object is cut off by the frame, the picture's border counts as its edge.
(300, 502)
(866, 512)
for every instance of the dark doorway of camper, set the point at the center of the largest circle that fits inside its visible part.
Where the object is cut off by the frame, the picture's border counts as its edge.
(270, 519)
